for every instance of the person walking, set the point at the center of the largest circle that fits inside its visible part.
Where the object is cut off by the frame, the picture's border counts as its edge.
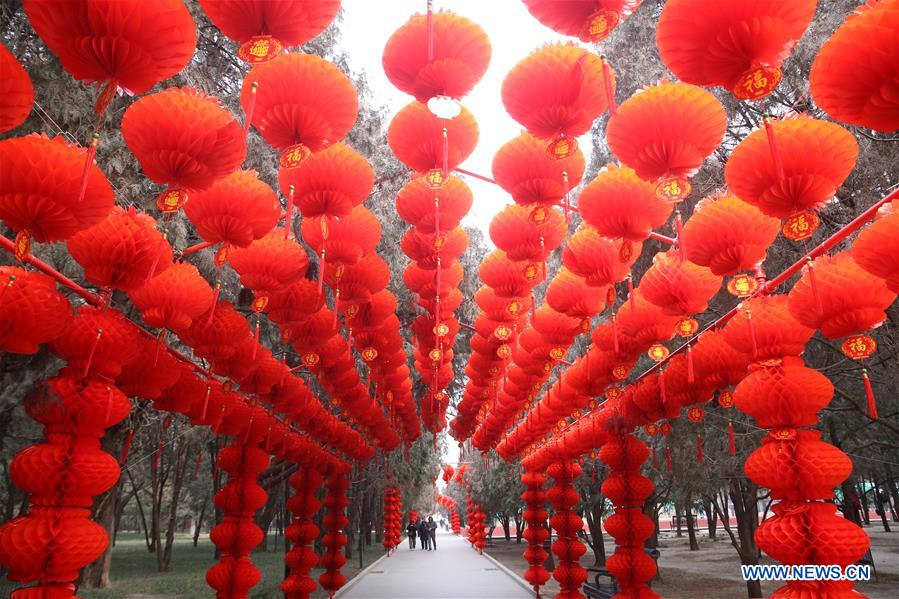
(411, 532)
(432, 532)
(424, 535)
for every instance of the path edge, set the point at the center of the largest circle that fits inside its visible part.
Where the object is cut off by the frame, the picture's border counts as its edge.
(355, 579)
(518, 579)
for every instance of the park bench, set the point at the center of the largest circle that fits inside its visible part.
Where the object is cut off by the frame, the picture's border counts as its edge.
(604, 585)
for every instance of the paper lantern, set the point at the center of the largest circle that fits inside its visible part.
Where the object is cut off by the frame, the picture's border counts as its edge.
(528, 233)
(99, 341)
(301, 104)
(589, 20)
(618, 204)
(854, 74)
(599, 260)
(876, 249)
(343, 240)
(416, 136)
(39, 187)
(837, 296)
(415, 204)
(174, 298)
(665, 132)
(331, 183)
(570, 294)
(765, 329)
(150, 373)
(443, 54)
(426, 248)
(216, 333)
(739, 46)
(728, 235)
(183, 138)
(812, 159)
(132, 44)
(677, 286)
(264, 27)
(32, 311)
(237, 209)
(123, 251)
(508, 278)
(356, 283)
(523, 168)
(270, 262)
(784, 395)
(16, 92)
(718, 365)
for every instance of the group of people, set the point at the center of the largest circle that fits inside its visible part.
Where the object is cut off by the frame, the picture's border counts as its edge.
(426, 531)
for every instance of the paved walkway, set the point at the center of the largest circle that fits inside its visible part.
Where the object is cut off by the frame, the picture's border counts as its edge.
(454, 571)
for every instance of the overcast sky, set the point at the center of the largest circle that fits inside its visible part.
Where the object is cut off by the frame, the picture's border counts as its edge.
(513, 33)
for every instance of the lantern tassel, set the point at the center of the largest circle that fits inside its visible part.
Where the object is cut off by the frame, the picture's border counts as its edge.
(630, 294)
(88, 161)
(250, 108)
(668, 458)
(614, 333)
(775, 154)
(156, 456)
(445, 154)
(437, 214)
(699, 454)
(731, 442)
(662, 396)
(215, 301)
(679, 228)
(152, 272)
(90, 354)
(288, 216)
(691, 376)
(321, 273)
(607, 83)
(869, 393)
(430, 30)
(336, 308)
(533, 307)
(127, 447)
(543, 254)
(755, 347)
(205, 404)
(566, 202)
(197, 464)
(813, 283)
(255, 338)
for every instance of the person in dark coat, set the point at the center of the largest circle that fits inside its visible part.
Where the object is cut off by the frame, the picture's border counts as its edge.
(424, 535)
(432, 532)
(411, 532)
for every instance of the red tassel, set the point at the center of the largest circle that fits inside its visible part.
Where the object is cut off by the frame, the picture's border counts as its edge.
(755, 347)
(691, 377)
(152, 272)
(679, 227)
(437, 310)
(869, 392)
(252, 105)
(205, 404)
(614, 333)
(437, 214)
(288, 217)
(215, 301)
(775, 154)
(336, 308)
(662, 396)
(566, 202)
(445, 154)
(256, 339)
(533, 307)
(630, 294)
(813, 281)
(88, 161)
(197, 465)
(543, 255)
(437, 274)
(607, 82)
(108, 405)
(699, 455)
(321, 272)
(127, 446)
(668, 459)
(156, 457)
(731, 442)
(90, 355)
(430, 30)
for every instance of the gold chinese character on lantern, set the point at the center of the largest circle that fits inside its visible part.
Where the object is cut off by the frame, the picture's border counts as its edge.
(757, 82)
(611, 296)
(502, 332)
(858, 347)
(695, 413)
(23, 245)
(435, 178)
(369, 354)
(560, 148)
(514, 308)
(801, 225)
(626, 251)
(441, 330)
(658, 352)
(530, 272)
(503, 351)
(665, 429)
(259, 303)
(613, 392)
(435, 354)
(673, 189)
(620, 372)
(539, 215)
(687, 327)
(260, 48)
(350, 310)
(293, 156)
(221, 256)
(310, 359)
(742, 285)
(599, 25)
(726, 399)
(557, 353)
(171, 200)
(651, 429)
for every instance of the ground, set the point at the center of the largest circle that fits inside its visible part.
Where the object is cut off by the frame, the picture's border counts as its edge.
(715, 569)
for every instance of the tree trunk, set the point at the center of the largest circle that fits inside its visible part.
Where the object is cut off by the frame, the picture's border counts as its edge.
(651, 509)
(880, 499)
(199, 525)
(677, 518)
(691, 522)
(594, 523)
(743, 495)
(893, 491)
(866, 511)
(140, 510)
(507, 531)
(164, 557)
(519, 527)
(711, 514)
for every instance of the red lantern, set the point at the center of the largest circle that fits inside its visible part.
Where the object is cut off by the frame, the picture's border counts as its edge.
(301, 104)
(558, 91)
(442, 54)
(765, 330)
(617, 203)
(524, 169)
(423, 141)
(416, 204)
(183, 139)
(854, 71)
(876, 249)
(718, 364)
(123, 251)
(508, 278)
(739, 46)
(32, 311)
(665, 132)
(39, 187)
(331, 183)
(599, 260)
(16, 92)
(791, 165)
(173, 299)
(589, 20)
(99, 341)
(264, 27)
(784, 395)
(269, 263)
(838, 297)
(236, 209)
(426, 248)
(526, 233)
(677, 286)
(343, 240)
(570, 294)
(150, 373)
(728, 235)
(132, 44)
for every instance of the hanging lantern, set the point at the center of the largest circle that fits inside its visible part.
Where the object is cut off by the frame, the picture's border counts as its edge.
(556, 93)
(570, 294)
(99, 342)
(269, 263)
(739, 46)
(665, 132)
(426, 248)
(854, 71)
(618, 204)
(416, 204)
(764, 328)
(599, 260)
(39, 188)
(123, 251)
(150, 373)
(173, 299)
(343, 240)
(590, 20)
(523, 168)
(422, 141)
(443, 54)
(508, 278)
(236, 209)
(301, 104)
(677, 286)
(129, 44)
(791, 166)
(32, 311)
(876, 249)
(331, 183)
(728, 235)
(16, 92)
(263, 28)
(526, 233)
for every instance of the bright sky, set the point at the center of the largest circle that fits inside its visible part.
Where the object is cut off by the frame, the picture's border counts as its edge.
(513, 33)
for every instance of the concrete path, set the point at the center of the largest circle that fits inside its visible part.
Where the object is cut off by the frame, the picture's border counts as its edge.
(454, 571)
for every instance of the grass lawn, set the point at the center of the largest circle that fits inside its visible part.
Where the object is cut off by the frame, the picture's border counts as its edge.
(134, 570)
